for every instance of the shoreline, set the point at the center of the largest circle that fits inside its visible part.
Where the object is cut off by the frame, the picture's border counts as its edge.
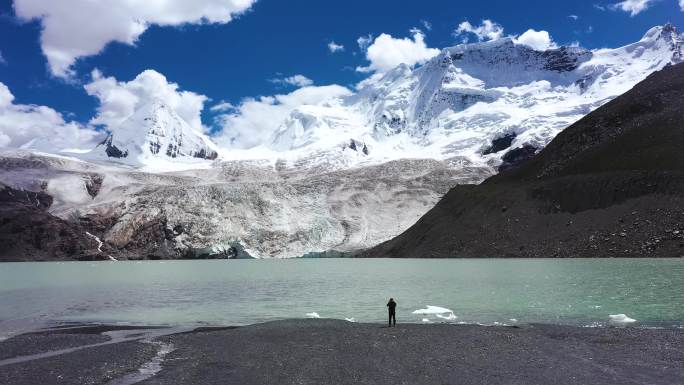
(354, 257)
(311, 351)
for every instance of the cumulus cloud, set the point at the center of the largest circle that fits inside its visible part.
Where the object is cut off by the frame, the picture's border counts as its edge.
(253, 121)
(681, 5)
(120, 99)
(487, 30)
(490, 30)
(634, 7)
(294, 80)
(575, 17)
(78, 28)
(387, 52)
(538, 40)
(28, 125)
(334, 47)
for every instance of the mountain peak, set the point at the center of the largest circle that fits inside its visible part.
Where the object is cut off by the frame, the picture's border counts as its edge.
(668, 32)
(155, 131)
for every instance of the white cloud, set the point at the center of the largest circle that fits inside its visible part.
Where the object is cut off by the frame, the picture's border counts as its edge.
(78, 28)
(490, 30)
(487, 30)
(334, 47)
(575, 17)
(427, 25)
(222, 106)
(294, 80)
(40, 127)
(681, 5)
(364, 41)
(255, 120)
(634, 7)
(2, 59)
(387, 52)
(120, 99)
(538, 40)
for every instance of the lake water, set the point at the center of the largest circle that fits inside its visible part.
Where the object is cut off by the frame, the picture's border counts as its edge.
(238, 292)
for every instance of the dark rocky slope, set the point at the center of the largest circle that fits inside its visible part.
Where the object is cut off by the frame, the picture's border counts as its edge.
(611, 185)
(29, 232)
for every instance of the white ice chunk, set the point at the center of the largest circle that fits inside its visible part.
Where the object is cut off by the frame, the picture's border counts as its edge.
(312, 315)
(431, 310)
(350, 319)
(620, 319)
(437, 311)
(449, 317)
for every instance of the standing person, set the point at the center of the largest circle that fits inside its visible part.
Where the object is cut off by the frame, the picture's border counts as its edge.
(392, 307)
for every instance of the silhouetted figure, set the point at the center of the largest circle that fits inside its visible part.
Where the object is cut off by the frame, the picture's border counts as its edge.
(392, 307)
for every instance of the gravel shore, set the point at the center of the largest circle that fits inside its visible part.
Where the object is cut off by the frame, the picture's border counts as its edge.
(339, 352)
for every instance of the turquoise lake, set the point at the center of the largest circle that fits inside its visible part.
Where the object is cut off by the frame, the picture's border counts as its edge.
(238, 292)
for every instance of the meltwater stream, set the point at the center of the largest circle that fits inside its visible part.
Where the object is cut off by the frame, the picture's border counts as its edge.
(238, 292)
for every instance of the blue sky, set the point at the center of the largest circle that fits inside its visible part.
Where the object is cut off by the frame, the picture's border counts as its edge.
(274, 38)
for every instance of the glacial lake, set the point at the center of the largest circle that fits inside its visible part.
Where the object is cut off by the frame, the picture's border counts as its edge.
(238, 292)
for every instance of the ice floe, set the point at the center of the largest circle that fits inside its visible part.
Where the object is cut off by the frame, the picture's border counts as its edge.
(432, 310)
(436, 311)
(621, 319)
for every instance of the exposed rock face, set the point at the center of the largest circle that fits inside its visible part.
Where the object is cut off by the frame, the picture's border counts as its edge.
(111, 150)
(611, 185)
(516, 157)
(500, 144)
(93, 183)
(29, 232)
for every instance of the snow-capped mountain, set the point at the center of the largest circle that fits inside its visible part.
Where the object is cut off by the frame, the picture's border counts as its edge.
(471, 100)
(344, 174)
(488, 103)
(152, 136)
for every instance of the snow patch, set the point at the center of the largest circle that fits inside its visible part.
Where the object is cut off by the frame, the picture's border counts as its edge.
(97, 239)
(312, 315)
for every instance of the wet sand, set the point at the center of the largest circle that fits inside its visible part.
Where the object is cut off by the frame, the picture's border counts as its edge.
(339, 352)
